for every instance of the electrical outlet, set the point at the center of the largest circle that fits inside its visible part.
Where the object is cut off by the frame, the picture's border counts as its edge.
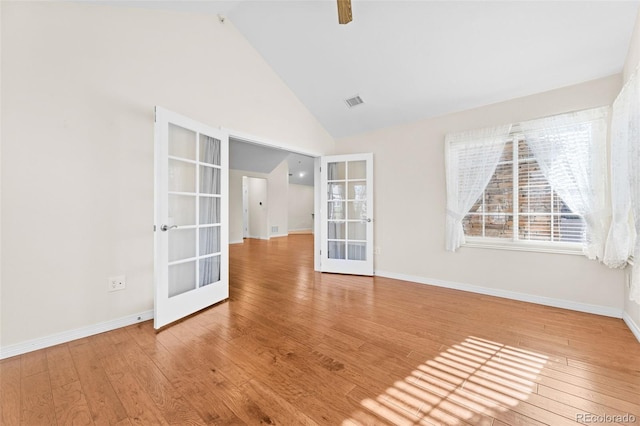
(116, 283)
(376, 250)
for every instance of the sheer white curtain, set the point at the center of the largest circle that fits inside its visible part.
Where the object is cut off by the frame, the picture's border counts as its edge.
(209, 210)
(571, 152)
(470, 160)
(633, 165)
(625, 182)
(625, 127)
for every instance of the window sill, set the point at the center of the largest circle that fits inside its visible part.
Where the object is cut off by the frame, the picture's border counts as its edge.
(534, 246)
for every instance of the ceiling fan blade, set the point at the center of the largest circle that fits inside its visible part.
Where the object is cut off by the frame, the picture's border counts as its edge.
(344, 11)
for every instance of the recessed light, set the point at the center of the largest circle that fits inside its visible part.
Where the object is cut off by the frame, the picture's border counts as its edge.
(301, 174)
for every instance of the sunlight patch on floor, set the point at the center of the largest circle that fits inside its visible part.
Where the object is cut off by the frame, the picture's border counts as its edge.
(468, 382)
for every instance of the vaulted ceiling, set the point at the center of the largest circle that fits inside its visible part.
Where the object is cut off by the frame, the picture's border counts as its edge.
(410, 60)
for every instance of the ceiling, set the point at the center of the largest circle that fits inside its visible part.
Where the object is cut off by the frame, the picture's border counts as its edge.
(300, 169)
(410, 60)
(254, 158)
(261, 159)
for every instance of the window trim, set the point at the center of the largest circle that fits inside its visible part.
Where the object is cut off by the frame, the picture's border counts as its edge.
(513, 244)
(557, 247)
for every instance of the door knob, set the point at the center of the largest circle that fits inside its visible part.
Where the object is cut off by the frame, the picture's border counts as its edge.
(167, 227)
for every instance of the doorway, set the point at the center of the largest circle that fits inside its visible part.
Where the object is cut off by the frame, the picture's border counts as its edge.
(255, 208)
(289, 202)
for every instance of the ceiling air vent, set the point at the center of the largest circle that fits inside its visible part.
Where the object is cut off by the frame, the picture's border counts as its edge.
(354, 101)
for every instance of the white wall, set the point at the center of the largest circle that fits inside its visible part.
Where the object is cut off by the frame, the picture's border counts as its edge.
(632, 309)
(300, 207)
(79, 83)
(410, 209)
(633, 55)
(0, 173)
(279, 199)
(258, 208)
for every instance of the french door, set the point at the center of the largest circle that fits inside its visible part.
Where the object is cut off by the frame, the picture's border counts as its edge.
(191, 217)
(346, 214)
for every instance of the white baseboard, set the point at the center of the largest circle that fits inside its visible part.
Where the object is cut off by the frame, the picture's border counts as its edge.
(633, 326)
(279, 235)
(523, 297)
(67, 336)
(237, 241)
(301, 231)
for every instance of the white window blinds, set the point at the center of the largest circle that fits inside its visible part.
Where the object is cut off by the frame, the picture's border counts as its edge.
(570, 151)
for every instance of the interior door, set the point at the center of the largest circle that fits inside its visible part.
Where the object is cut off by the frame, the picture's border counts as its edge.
(191, 217)
(346, 214)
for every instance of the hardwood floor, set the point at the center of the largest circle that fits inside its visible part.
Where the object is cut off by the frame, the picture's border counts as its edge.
(294, 347)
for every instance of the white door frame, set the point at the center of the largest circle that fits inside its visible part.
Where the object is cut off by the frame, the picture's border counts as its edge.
(317, 225)
(245, 207)
(258, 212)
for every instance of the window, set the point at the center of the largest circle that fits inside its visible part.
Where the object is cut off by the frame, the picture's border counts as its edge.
(519, 203)
(537, 185)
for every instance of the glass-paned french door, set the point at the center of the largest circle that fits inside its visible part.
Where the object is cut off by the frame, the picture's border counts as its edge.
(346, 214)
(191, 238)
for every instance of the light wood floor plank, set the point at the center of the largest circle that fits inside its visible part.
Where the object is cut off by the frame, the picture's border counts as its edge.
(137, 403)
(173, 406)
(71, 406)
(10, 402)
(34, 363)
(106, 408)
(37, 400)
(60, 365)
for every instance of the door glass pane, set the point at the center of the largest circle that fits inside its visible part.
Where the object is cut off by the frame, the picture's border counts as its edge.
(357, 210)
(357, 231)
(182, 176)
(182, 278)
(209, 240)
(336, 250)
(182, 210)
(336, 171)
(357, 169)
(209, 210)
(209, 150)
(209, 180)
(357, 251)
(358, 190)
(336, 191)
(336, 230)
(209, 270)
(336, 210)
(182, 244)
(182, 142)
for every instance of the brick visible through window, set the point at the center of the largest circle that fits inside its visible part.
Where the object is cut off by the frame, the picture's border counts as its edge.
(540, 213)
